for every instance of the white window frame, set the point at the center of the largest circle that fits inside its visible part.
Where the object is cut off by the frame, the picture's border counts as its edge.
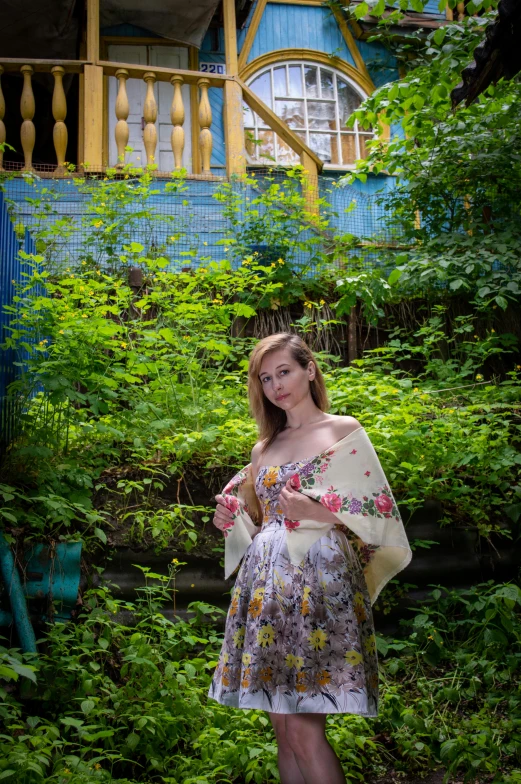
(259, 126)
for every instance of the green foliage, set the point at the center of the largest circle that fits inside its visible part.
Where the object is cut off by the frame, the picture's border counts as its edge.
(458, 173)
(121, 697)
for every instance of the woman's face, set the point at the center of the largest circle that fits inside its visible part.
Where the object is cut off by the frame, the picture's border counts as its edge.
(284, 382)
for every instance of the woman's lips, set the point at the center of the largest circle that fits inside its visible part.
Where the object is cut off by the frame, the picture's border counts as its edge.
(281, 397)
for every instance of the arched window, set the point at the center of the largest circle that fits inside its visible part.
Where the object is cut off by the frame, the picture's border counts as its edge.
(315, 101)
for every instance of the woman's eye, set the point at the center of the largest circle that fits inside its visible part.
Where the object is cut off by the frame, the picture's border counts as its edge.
(283, 371)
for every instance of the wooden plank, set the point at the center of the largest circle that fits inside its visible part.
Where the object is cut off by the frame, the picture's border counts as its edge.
(92, 38)
(234, 129)
(252, 32)
(230, 37)
(278, 125)
(310, 182)
(193, 62)
(351, 44)
(13, 64)
(93, 118)
(163, 74)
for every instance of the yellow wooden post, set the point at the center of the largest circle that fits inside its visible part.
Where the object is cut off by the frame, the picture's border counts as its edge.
(233, 117)
(310, 182)
(93, 94)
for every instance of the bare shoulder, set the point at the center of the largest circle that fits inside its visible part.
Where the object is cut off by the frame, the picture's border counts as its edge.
(255, 455)
(344, 425)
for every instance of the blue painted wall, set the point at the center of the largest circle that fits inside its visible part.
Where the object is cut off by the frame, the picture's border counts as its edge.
(291, 26)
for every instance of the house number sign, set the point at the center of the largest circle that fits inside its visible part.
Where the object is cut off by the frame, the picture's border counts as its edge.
(213, 68)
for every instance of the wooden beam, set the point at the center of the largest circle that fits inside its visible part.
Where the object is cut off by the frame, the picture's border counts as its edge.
(93, 118)
(93, 30)
(233, 114)
(310, 182)
(234, 129)
(251, 33)
(13, 64)
(230, 37)
(351, 44)
(163, 74)
(193, 63)
(316, 3)
(278, 125)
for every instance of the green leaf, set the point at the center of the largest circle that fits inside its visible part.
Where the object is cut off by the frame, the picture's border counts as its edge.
(101, 535)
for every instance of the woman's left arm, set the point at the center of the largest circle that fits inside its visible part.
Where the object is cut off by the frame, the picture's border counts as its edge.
(297, 506)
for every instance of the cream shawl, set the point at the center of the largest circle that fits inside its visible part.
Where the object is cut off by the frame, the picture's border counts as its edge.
(349, 481)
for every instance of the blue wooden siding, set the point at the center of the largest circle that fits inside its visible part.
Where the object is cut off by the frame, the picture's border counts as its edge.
(380, 63)
(301, 27)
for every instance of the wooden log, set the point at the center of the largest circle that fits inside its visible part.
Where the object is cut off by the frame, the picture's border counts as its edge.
(59, 112)
(122, 109)
(177, 115)
(205, 121)
(150, 117)
(27, 109)
(93, 118)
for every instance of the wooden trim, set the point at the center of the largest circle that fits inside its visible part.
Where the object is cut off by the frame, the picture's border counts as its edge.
(230, 37)
(193, 62)
(13, 64)
(163, 74)
(278, 125)
(250, 35)
(314, 55)
(142, 41)
(351, 44)
(93, 117)
(92, 38)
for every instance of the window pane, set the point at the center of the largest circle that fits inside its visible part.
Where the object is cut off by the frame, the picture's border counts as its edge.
(310, 77)
(326, 84)
(321, 115)
(266, 150)
(247, 115)
(348, 101)
(348, 148)
(284, 152)
(250, 143)
(261, 86)
(295, 81)
(364, 151)
(291, 112)
(279, 81)
(325, 145)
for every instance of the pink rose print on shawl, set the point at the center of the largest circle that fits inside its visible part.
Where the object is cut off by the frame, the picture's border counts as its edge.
(291, 524)
(383, 503)
(233, 505)
(331, 501)
(295, 482)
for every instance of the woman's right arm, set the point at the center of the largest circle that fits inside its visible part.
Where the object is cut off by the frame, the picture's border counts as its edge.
(222, 515)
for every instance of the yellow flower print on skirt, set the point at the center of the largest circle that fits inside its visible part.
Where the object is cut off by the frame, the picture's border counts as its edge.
(297, 639)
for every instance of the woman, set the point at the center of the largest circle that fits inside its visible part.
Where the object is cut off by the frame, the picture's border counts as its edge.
(299, 639)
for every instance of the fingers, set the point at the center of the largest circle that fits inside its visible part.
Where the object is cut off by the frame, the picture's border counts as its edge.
(222, 518)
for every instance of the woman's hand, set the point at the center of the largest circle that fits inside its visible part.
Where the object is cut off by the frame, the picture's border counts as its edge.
(295, 505)
(223, 517)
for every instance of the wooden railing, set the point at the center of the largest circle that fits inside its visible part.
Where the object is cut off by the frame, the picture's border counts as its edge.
(27, 106)
(92, 120)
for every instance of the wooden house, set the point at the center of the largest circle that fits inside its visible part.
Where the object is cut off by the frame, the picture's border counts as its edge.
(213, 86)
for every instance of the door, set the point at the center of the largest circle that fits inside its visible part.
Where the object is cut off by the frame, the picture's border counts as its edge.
(160, 56)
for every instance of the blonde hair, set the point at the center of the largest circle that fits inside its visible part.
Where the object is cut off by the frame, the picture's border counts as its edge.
(271, 419)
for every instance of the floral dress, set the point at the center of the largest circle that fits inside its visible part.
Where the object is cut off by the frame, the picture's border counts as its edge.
(298, 639)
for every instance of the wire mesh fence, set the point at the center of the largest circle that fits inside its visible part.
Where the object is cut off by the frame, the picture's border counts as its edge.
(188, 221)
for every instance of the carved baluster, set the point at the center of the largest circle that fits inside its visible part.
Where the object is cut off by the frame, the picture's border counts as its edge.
(27, 108)
(122, 110)
(150, 117)
(177, 115)
(461, 11)
(205, 120)
(2, 126)
(59, 112)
